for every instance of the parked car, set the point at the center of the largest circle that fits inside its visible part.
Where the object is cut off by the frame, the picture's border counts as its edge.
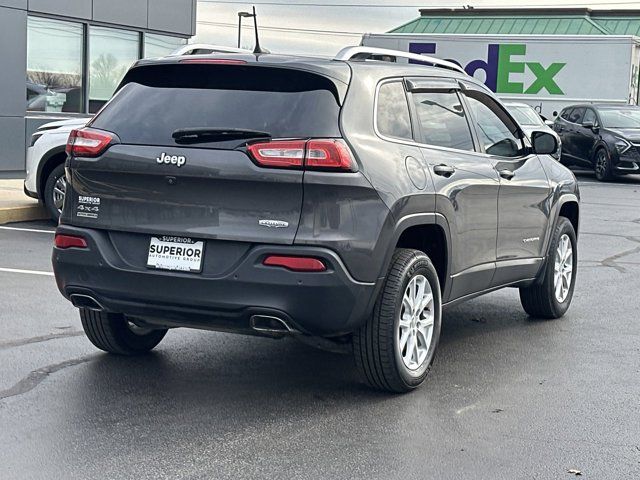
(531, 121)
(605, 138)
(45, 179)
(340, 201)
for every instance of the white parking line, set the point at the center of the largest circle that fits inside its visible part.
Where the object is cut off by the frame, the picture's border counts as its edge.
(29, 272)
(35, 230)
(597, 184)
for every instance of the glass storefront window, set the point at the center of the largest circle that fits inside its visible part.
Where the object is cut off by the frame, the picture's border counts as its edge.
(111, 53)
(161, 45)
(55, 63)
(54, 66)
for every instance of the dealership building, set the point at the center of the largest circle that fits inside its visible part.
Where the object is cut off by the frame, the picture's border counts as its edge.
(64, 58)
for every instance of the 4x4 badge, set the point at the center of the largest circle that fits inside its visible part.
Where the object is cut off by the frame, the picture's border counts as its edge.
(273, 223)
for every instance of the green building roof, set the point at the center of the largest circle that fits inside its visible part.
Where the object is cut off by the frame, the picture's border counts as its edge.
(532, 21)
(620, 25)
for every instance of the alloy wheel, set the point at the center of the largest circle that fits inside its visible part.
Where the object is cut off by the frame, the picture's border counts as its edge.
(563, 269)
(601, 164)
(415, 328)
(59, 191)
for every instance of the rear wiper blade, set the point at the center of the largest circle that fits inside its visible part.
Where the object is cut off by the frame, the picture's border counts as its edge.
(207, 134)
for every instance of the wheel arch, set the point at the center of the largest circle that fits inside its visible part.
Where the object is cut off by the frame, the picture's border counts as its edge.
(567, 206)
(429, 233)
(570, 209)
(600, 145)
(49, 161)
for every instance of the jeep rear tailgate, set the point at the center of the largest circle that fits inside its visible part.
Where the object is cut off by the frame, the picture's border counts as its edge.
(151, 182)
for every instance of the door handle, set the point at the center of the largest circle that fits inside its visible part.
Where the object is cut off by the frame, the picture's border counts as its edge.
(444, 170)
(506, 174)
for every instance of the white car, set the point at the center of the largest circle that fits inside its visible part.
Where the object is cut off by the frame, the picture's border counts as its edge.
(530, 120)
(45, 163)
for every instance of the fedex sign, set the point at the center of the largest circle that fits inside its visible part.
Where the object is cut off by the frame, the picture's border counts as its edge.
(502, 64)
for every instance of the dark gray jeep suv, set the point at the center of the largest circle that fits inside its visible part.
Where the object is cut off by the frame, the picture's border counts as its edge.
(341, 201)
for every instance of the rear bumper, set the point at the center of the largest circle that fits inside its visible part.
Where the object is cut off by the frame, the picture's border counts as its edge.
(324, 303)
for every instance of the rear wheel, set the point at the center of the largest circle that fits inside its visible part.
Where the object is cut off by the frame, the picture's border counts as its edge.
(551, 297)
(603, 165)
(55, 189)
(115, 333)
(394, 350)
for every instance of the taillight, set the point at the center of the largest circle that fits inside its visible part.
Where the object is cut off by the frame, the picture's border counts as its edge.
(69, 241)
(329, 154)
(284, 154)
(296, 264)
(88, 142)
(323, 154)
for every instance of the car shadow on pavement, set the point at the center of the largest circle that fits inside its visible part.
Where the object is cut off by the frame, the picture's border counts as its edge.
(214, 395)
(206, 369)
(590, 176)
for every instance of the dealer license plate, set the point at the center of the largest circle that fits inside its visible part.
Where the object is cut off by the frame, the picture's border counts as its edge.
(175, 253)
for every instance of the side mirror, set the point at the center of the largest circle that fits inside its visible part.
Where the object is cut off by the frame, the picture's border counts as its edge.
(544, 143)
(590, 126)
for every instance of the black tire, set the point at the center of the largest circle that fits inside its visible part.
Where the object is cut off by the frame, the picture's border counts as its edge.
(376, 344)
(539, 300)
(111, 332)
(603, 165)
(47, 194)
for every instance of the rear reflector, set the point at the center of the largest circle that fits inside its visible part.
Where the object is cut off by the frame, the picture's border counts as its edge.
(88, 142)
(322, 154)
(69, 241)
(215, 61)
(296, 264)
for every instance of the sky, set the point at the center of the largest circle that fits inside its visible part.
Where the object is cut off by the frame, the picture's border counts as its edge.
(325, 26)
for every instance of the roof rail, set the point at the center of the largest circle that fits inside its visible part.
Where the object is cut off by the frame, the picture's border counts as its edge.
(192, 49)
(362, 53)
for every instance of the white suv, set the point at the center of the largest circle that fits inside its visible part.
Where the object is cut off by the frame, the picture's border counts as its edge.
(45, 163)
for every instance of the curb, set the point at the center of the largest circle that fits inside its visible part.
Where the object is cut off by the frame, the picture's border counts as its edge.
(22, 214)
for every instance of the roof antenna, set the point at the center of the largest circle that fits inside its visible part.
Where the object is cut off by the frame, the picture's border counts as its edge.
(257, 50)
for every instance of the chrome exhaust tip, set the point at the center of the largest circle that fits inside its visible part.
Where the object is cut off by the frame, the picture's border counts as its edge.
(270, 325)
(80, 300)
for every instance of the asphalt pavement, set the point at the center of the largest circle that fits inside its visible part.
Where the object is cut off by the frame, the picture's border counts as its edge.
(508, 397)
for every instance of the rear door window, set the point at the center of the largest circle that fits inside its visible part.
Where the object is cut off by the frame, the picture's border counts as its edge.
(566, 113)
(392, 112)
(442, 120)
(285, 103)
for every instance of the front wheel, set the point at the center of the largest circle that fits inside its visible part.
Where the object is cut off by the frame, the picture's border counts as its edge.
(394, 350)
(603, 166)
(551, 297)
(115, 333)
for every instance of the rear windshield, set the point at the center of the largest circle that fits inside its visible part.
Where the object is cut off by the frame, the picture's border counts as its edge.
(284, 103)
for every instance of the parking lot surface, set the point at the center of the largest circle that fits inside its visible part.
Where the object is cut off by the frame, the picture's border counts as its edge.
(508, 397)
